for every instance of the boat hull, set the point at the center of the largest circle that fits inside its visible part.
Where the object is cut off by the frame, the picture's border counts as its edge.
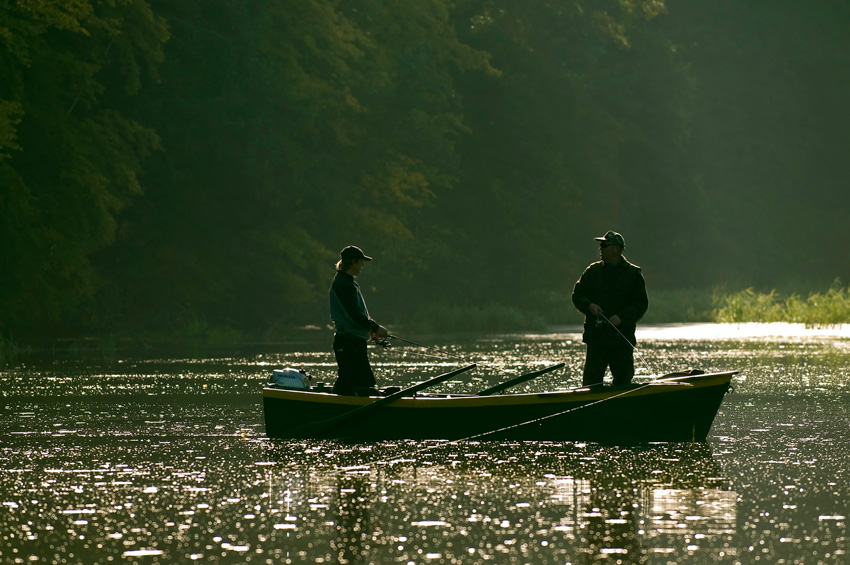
(673, 408)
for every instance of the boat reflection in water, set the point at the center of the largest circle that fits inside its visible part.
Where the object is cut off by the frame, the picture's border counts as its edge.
(528, 502)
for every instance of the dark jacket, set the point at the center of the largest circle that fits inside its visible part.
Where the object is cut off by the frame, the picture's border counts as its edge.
(348, 309)
(619, 290)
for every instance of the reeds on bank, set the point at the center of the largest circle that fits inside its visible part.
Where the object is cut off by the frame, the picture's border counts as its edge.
(819, 309)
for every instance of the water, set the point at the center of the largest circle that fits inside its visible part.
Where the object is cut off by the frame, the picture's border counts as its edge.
(163, 460)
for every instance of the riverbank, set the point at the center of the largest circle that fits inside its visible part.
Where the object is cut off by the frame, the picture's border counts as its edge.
(819, 310)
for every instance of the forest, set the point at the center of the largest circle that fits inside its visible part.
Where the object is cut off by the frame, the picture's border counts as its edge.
(196, 166)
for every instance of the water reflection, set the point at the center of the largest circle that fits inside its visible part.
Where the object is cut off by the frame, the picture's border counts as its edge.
(165, 461)
(519, 502)
(354, 524)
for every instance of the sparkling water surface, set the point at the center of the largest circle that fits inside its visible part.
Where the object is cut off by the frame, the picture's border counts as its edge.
(128, 458)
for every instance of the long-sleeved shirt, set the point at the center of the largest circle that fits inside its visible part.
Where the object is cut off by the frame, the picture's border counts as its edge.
(619, 290)
(348, 309)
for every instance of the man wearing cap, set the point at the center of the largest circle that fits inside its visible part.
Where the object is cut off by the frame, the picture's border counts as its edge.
(615, 289)
(353, 326)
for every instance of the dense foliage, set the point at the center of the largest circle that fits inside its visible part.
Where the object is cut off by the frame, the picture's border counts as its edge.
(199, 164)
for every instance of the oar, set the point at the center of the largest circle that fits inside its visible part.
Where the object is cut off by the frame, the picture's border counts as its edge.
(519, 380)
(317, 427)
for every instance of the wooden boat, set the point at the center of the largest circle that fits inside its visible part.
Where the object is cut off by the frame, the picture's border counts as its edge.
(676, 407)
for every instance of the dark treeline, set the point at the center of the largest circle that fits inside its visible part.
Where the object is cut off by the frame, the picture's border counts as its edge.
(200, 163)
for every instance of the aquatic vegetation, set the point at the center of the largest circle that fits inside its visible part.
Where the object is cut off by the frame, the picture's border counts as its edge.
(827, 309)
(9, 350)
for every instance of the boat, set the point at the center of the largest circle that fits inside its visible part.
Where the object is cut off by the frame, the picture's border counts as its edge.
(675, 407)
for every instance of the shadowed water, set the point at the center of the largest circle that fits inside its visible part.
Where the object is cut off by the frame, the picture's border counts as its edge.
(135, 459)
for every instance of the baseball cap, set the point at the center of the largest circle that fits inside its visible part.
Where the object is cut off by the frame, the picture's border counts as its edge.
(612, 238)
(353, 252)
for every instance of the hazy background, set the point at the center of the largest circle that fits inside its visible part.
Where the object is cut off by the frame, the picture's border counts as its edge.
(200, 164)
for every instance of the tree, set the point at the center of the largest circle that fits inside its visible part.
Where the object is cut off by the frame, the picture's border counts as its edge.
(584, 131)
(69, 160)
(288, 132)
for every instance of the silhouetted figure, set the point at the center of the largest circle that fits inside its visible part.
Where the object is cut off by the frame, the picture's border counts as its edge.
(611, 288)
(353, 326)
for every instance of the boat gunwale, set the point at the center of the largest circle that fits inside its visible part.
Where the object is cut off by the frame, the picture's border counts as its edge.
(582, 395)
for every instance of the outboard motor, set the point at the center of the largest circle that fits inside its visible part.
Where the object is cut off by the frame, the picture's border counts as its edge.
(290, 378)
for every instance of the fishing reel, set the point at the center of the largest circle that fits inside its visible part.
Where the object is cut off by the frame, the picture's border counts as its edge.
(382, 342)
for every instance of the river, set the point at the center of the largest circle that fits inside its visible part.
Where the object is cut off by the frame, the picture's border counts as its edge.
(149, 456)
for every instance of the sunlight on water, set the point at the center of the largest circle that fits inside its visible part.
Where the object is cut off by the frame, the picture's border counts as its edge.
(164, 460)
(535, 502)
(740, 331)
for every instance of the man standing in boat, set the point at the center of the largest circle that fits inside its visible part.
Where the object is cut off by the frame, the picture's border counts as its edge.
(611, 293)
(353, 326)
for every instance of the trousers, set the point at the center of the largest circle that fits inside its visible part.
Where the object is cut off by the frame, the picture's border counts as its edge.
(354, 371)
(616, 354)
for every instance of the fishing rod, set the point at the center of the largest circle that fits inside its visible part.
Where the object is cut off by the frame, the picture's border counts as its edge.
(635, 349)
(431, 350)
(391, 336)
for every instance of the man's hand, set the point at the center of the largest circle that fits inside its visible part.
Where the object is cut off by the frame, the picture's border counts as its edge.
(379, 336)
(595, 309)
(615, 320)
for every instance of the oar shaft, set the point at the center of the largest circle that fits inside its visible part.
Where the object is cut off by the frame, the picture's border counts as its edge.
(519, 380)
(317, 427)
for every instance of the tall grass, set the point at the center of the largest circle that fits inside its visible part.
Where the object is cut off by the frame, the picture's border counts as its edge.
(9, 351)
(827, 309)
